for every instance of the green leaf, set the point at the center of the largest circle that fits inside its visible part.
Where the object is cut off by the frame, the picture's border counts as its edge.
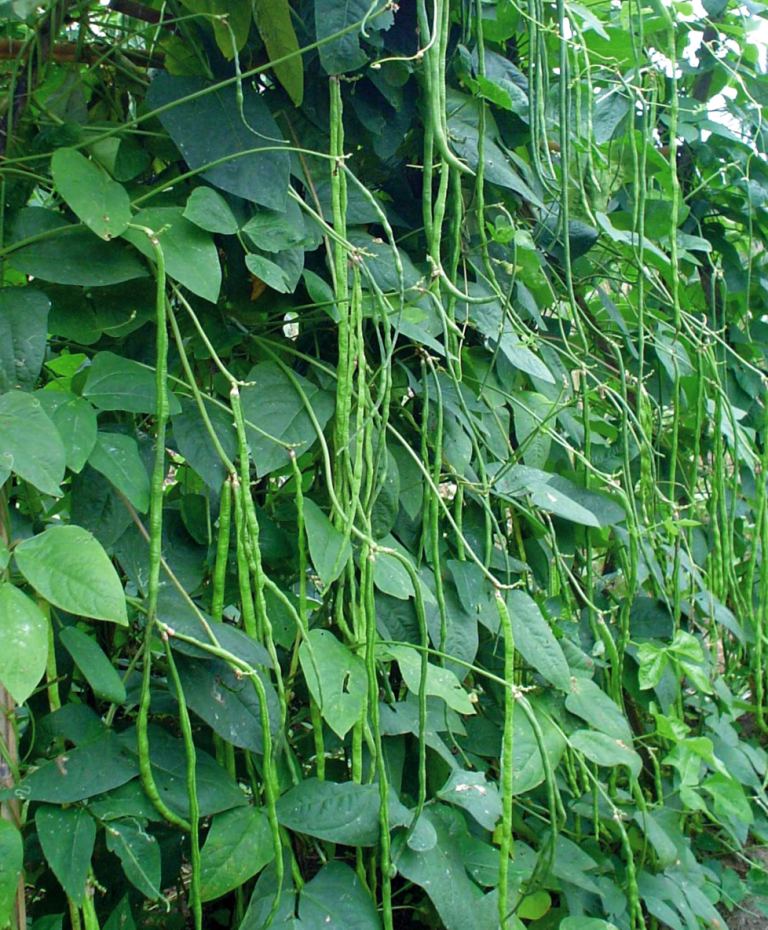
(117, 383)
(121, 917)
(117, 457)
(67, 836)
(189, 252)
(69, 568)
(441, 871)
(336, 678)
(139, 855)
(71, 255)
(536, 642)
(335, 899)
(23, 336)
(328, 547)
(273, 20)
(281, 273)
(196, 125)
(228, 703)
(344, 53)
(343, 812)
(76, 422)
(276, 415)
(238, 845)
(528, 766)
(475, 794)
(11, 860)
(441, 682)
(277, 230)
(101, 203)
(592, 704)
(195, 443)
(32, 443)
(606, 750)
(82, 772)
(95, 665)
(207, 209)
(216, 789)
(24, 635)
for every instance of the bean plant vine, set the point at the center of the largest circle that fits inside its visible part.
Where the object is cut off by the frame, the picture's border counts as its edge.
(383, 442)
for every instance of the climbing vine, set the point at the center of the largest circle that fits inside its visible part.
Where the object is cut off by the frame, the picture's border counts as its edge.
(382, 464)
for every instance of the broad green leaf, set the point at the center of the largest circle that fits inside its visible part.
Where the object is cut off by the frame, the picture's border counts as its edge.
(343, 812)
(189, 252)
(228, 703)
(277, 230)
(592, 704)
(606, 750)
(75, 256)
(276, 416)
(216, 789)
(536, 642)
(238, 845)
(69, 568)
(329, 549)
(31, 443)
(441, 682)
(531, 411)
(196, 128)
(344, 53)
(196, 445)
(529, 771)
(117, 383)
(473, 792)
(24, 635)
(76, 422)
(336, 678)
(335, 899)
(23, 336)
(207, 209)
(139, 854)
(82, 772)
(273, 20)
(95, 665)
(67, 836)
(117, 457)
(442, 872)
(11, 860)
(101, 203)
(281, 272)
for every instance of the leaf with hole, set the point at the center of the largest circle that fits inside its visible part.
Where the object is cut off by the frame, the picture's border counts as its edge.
(336, 678)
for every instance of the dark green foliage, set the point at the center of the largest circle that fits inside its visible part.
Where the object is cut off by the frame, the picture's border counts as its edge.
(383, 442)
